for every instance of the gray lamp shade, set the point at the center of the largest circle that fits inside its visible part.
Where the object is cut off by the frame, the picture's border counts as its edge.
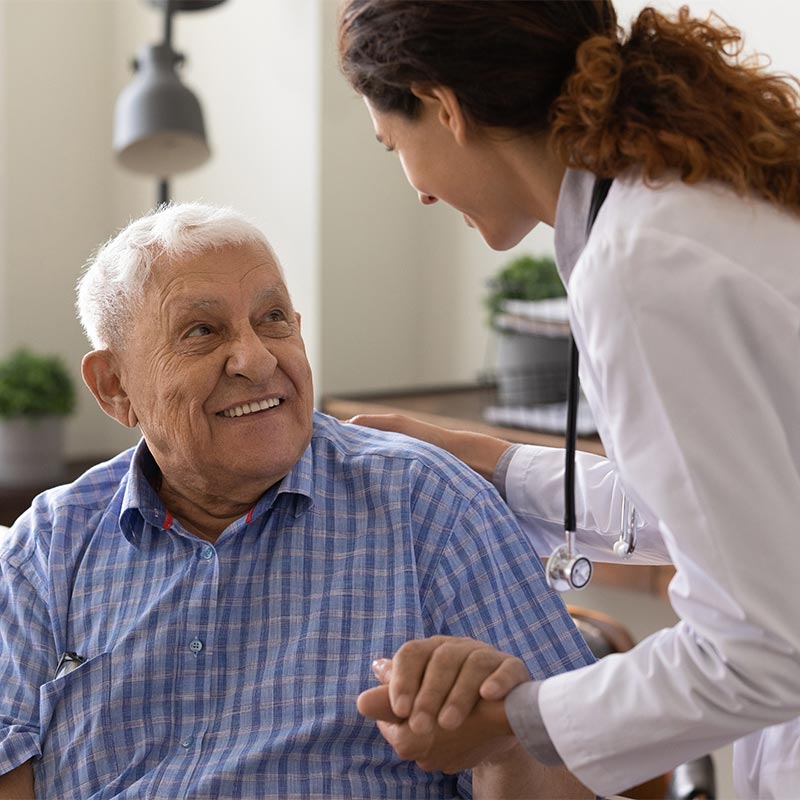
(158, 122)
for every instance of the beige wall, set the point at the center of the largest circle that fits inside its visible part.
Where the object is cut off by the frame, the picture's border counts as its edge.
(57, 177)
(3, 178)
(255, 67)
(374, 246)
(402, 285)
(390, 291)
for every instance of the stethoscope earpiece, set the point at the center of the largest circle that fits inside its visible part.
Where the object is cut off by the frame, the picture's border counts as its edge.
(620, 549)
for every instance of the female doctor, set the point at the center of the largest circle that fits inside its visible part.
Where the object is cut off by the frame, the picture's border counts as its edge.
(685, 305)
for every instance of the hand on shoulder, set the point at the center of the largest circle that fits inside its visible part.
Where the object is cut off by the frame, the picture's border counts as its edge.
(476, 450)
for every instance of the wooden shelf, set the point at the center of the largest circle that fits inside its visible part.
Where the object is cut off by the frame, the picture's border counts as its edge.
(14, 500)
(461, 408)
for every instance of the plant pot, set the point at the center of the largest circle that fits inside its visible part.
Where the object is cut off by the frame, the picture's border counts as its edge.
(531, 368)
(31, 451)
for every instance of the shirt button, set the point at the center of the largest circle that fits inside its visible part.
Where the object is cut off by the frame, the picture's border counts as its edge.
(195, 646)
(207, 553)
(187, 742)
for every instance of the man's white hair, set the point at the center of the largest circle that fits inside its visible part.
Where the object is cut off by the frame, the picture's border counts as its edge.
(111, 287)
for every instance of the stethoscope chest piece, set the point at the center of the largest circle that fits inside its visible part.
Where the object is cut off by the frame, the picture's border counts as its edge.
(568, 570)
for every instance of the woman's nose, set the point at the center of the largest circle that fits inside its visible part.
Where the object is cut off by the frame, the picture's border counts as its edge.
(427, 199)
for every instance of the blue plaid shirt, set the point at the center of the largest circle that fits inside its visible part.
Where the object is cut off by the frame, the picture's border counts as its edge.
(231, 670)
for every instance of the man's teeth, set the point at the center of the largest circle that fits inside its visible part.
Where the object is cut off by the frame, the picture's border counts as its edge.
(250, 408)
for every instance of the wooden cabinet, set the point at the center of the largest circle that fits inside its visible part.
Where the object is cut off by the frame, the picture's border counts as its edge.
(461, 408)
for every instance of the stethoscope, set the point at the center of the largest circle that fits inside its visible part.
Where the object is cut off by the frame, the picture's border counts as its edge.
(566, 568)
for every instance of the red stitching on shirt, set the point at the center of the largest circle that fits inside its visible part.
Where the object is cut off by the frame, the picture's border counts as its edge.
(167, 522)
(250, 516)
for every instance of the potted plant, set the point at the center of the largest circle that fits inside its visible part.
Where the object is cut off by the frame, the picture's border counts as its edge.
(36, 394)
(527, 307)
(526, 278)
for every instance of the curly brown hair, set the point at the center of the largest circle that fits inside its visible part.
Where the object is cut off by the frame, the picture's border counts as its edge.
(675, 96)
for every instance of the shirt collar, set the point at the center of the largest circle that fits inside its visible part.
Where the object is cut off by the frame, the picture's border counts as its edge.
(141, 503)
(297, 487)
(574, 200)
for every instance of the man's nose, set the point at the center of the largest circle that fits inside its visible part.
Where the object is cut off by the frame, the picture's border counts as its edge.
(250, 357)
(427, 199)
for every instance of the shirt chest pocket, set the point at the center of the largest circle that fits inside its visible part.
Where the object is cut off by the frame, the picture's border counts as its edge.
(112, 717)
(77, 731)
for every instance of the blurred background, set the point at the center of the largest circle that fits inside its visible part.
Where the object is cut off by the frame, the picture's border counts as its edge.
(391, 293)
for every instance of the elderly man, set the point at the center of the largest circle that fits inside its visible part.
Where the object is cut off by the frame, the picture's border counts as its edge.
(195, 617)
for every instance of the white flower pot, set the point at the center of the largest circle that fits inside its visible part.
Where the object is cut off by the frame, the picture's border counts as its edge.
(31, 451)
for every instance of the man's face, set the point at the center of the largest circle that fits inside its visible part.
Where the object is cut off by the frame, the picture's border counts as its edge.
(216, 371)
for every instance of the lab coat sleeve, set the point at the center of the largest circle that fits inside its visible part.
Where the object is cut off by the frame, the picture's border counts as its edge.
(696, 367)
(535, 493)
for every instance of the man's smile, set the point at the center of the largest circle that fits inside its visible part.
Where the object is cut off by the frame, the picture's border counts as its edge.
(251, 407)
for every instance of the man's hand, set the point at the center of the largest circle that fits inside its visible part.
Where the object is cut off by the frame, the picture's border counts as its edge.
(484, 743)
(484, 737)
(440, 702)
(439, 681)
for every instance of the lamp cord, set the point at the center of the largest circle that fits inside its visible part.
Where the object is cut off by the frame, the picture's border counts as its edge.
(168, 12)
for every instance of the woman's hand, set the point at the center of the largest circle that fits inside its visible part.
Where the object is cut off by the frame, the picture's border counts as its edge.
(439, 681)
(477, 450)
(484, 738)
(401, 424)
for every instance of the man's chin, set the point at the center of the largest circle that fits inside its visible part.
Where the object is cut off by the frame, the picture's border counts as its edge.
(243, 479)
(259, 462)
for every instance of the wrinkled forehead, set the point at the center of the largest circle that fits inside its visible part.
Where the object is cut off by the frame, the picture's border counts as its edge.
(253, 267)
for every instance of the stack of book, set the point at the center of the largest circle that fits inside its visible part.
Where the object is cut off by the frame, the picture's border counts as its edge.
(543, 317)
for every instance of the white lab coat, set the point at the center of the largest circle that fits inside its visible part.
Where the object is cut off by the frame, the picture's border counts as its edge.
(685, 304)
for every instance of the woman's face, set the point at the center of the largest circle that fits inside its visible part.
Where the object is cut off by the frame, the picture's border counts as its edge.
(478, 174)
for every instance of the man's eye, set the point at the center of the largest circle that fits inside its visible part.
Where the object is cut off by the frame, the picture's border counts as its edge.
(277, 315)
(199, 330)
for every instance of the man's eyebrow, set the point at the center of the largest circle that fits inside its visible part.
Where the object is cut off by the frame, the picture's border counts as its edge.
(278, 291)
(190, 305)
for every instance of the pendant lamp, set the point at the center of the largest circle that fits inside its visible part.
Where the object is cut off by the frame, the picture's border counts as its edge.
(158, 121)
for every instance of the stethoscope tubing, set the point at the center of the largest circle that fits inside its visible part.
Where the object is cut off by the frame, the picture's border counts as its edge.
(573, 392)
(599, 194)
(565, 564)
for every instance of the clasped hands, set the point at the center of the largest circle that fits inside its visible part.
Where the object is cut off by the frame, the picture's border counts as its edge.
(440, 702)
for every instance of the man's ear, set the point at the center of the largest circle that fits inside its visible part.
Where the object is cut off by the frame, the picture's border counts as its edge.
(445, 104)
(101, 375)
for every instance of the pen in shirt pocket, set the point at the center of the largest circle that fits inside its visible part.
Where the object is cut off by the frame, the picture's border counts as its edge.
(69, 661)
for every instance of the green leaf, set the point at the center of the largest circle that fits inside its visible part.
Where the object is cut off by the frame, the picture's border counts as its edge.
(525, 278)
(36, 386)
